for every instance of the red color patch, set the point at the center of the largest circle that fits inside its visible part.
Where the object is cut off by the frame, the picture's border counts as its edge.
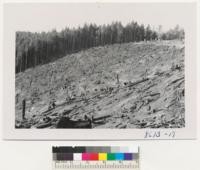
(94, 156)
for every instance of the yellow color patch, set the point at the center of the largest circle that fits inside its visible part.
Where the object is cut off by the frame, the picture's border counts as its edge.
(102, 156)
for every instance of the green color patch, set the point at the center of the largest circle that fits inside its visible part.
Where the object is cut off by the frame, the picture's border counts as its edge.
(110, 156)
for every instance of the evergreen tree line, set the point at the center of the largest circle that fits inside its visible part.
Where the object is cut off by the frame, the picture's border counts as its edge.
(175, 33)
(33, 49)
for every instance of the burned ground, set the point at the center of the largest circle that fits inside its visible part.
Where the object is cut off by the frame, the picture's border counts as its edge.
(130, 85)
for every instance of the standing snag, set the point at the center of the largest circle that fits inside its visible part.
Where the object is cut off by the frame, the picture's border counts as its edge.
(23, 108)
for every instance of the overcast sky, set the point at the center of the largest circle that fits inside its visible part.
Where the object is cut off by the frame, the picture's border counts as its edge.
(45, 17)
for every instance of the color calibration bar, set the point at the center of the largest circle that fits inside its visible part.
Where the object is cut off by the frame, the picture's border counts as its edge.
(92, 149)
(95, 158)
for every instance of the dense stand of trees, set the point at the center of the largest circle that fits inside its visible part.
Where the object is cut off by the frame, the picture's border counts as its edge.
(175, 33)
(33, 49)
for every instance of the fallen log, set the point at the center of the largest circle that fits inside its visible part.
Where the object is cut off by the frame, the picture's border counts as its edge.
(154, 94)
(138, 82)
(65, 122)
(46, 111)
(101, 117)
(151, 94)
(147, 88)
(178, 85)
(174, 81)
(67, 112)
(43, 125)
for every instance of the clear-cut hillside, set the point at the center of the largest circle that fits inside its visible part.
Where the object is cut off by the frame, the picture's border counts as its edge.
(131, 85)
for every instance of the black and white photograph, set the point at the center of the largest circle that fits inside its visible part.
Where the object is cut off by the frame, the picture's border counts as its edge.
(99, 84)
(100, 65)
(111, 75)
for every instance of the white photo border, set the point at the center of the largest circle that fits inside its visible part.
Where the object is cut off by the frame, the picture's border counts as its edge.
(189, 132)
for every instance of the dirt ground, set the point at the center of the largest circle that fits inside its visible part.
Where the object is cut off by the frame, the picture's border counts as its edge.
(132, 85)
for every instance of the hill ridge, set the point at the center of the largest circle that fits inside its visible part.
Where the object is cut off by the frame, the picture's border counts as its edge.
(131, 85)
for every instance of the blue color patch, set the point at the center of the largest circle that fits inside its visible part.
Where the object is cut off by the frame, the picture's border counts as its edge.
(119, 156)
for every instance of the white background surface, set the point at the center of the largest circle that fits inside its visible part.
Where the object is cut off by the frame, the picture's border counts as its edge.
(29, 16)
(155, 155)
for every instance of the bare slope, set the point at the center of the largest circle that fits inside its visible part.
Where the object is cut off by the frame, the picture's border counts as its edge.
(132, 85)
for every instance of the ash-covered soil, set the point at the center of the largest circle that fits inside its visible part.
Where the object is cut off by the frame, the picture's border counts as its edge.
(132, 85)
